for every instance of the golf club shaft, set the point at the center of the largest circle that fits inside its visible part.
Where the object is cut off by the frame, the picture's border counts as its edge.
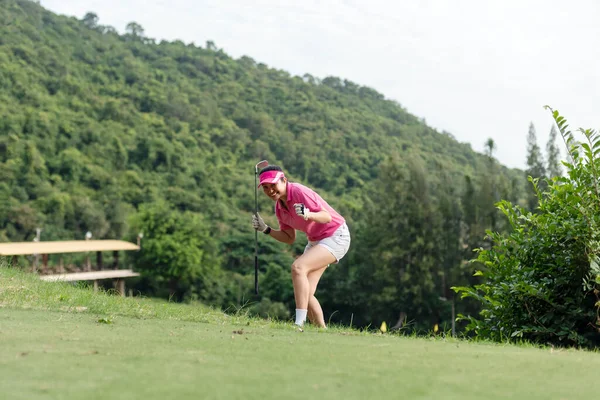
(255, 232)
(261, 164)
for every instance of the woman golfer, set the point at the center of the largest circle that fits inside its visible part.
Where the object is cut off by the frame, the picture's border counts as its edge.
(300, 208)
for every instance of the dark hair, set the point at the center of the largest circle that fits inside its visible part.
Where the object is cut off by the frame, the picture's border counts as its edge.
(270, 168)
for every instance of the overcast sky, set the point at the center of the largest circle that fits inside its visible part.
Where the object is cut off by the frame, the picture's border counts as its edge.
(477, 69)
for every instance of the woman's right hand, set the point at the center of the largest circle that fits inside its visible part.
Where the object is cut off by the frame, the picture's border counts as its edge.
(258, 223)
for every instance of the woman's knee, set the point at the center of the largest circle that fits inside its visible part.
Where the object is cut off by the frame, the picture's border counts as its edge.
(298, 268)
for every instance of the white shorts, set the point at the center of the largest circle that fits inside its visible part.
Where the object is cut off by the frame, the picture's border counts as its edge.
(337, 244)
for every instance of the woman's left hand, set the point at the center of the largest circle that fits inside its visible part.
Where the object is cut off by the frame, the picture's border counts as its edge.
(302, 210)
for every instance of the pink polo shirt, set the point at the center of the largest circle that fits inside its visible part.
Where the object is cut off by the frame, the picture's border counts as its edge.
(288, 219)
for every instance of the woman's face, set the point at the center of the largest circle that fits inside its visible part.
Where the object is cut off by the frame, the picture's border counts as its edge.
(275, 191)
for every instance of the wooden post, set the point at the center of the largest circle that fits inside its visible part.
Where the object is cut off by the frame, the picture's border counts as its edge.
(120, 286)
(45, 263)
(36, 257)
(99, 261)
(95, 286)
(115, 259)
(61, 266)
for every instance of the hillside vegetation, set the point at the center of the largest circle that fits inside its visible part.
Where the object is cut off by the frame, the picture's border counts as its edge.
(120, 134)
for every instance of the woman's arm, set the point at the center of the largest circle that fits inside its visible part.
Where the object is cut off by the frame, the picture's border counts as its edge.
(321, 217)
(286, 236)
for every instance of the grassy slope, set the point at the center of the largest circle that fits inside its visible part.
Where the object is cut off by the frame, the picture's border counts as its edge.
(59, 341)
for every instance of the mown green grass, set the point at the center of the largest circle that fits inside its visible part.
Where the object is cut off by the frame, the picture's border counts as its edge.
(22, 290)
(62, 342)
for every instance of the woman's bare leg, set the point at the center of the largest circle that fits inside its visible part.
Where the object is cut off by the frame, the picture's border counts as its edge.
(316, 258)
(315, 312)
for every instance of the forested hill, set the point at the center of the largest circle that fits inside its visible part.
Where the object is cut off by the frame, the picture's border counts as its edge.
(94, 124)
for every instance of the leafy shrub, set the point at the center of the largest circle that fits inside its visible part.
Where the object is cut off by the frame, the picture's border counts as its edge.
(542, 280)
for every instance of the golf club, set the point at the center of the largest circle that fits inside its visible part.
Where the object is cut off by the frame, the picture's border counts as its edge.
(257, 167)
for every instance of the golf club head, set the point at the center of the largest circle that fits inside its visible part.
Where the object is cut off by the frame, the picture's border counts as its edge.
(260, 165)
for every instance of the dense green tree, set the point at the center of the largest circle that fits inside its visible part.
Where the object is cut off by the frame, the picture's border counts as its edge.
(90, 20)
(398, 273)
(489, 193)
(135, 29)
(542, 278)
(177, 251)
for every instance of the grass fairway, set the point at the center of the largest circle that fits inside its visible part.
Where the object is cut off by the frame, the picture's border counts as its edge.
(62, 342)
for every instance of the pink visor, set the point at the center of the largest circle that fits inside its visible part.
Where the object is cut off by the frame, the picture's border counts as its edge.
(270, 177)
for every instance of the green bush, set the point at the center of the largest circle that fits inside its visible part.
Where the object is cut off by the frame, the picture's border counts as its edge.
(541, 280)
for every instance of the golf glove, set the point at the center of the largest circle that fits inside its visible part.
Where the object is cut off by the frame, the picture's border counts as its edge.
(258, 223)
(302, 210)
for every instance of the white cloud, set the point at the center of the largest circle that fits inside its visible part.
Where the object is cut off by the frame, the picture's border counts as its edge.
(476, 69)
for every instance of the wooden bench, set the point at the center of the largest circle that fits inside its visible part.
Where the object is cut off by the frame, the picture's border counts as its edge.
(37, 248)
(116, 275)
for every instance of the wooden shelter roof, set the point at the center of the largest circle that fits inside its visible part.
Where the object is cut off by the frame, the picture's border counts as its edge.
(67, 246)
(90, 276)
